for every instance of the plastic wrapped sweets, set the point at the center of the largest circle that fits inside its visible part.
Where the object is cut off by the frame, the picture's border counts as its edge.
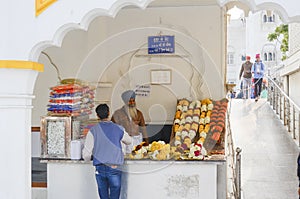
(71, 100)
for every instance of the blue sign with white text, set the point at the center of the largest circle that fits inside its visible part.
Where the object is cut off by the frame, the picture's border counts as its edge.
(161, 44)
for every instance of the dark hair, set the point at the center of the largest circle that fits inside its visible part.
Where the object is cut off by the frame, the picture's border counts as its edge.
(102, 111)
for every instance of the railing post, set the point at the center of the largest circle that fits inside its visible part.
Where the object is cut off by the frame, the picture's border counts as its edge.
(289, 116)
(270, 94)
(277, 103)
(274, 98)
(294, 123)
(238, 172)
(299, 129)
(274, 94)
(281, 106)
(285, 102)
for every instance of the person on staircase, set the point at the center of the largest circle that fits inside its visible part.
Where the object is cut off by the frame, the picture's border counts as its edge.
(246, 81)
(258, 70)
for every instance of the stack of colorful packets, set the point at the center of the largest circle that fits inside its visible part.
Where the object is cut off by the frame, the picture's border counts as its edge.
(71, 100)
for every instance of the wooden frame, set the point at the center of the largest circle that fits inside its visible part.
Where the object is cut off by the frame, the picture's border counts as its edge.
(55, 137)
(161, 76)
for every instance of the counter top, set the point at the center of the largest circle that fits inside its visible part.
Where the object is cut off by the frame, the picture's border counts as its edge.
(220, 159)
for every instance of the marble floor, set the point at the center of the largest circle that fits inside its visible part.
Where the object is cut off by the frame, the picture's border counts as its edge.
(269, 154)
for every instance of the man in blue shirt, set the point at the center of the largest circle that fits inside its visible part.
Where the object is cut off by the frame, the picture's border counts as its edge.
(258, 70)
(103, 142)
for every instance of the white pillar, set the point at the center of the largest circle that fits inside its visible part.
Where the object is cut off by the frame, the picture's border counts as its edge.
(17, 79)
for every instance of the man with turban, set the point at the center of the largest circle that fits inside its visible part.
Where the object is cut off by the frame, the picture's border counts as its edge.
(131, 119)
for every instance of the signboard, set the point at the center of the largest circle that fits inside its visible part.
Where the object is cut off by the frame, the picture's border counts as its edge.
(142, 90)
(161, 44)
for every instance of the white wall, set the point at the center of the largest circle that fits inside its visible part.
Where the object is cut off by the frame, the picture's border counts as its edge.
(236, 39)
(291, 69)
(294, 38)
(106, 53)
(23, 28)
(294, 82)
(38, 193)
(35, 144)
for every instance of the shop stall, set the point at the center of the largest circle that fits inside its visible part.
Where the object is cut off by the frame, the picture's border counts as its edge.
(191, 163)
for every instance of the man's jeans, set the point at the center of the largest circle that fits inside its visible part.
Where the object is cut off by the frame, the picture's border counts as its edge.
(109, 181)
(246, 88)
(257, 86)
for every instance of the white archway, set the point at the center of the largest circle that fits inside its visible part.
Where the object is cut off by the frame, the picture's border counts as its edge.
(286, 12)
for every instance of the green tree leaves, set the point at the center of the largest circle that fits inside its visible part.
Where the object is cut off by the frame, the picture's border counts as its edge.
(281, 34)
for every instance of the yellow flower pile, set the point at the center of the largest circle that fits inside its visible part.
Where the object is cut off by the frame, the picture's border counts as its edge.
(156, 145)
(163, 152)
(157, 150)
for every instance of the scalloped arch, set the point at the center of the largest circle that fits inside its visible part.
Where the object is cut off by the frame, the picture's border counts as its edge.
(118, 5)
(84, 24)
(56, 41)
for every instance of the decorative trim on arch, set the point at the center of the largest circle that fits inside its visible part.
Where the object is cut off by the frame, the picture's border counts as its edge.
(41, 5)
(84, 24)
(15, 64)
